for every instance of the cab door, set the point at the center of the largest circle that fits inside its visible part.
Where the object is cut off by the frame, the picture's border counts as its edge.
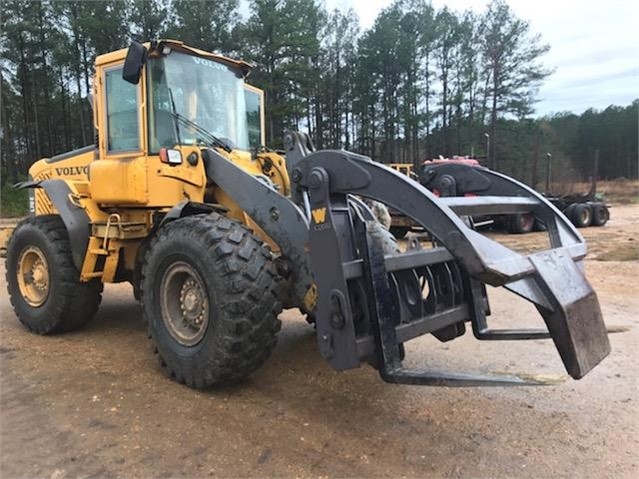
(120, 176)
(122, 115)
(255, 115)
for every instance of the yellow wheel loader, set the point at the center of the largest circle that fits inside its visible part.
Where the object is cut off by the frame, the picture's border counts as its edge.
(217, 234)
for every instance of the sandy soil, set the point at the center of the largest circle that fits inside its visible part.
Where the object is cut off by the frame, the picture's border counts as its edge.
(95, 403)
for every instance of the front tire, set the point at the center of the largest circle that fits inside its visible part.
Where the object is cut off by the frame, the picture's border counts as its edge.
(210, 298)
(43, 283)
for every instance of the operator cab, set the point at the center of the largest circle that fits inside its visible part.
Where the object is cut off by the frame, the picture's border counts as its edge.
(189, 93)
(158, 106)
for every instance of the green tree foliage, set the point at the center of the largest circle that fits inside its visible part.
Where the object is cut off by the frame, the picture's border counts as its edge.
(148, 18)
(205, 24)
(419, 83)
(613, 132)
(330, 113)
(511, 56)
(282, 38)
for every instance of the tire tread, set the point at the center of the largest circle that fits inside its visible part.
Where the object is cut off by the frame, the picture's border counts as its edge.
(247, 287)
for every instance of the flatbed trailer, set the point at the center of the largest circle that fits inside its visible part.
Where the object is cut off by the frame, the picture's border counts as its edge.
(454, 177)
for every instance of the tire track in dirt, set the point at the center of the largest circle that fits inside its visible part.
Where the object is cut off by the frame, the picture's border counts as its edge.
(33, 441)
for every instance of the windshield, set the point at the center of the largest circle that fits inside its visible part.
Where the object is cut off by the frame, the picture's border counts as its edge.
(206, 92)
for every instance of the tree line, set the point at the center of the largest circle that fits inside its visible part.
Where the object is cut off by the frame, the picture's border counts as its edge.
(421, 82)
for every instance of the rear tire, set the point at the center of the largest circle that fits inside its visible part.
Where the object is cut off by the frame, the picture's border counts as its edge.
(582, 215)
(43, 282)
(210, 298)
(600, 214)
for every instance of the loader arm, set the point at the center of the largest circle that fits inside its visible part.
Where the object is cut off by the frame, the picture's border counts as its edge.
(369, 303)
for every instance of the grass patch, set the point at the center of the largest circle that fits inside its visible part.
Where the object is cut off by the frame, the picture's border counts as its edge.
(13, 202)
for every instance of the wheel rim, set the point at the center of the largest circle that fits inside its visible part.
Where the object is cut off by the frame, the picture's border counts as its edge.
(184, 303)
(33, 276)
(603, 215)
(527, 222)
(585, 216)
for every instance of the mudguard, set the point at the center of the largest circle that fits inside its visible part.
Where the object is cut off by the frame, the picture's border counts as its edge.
(74, 217)
(188, 208)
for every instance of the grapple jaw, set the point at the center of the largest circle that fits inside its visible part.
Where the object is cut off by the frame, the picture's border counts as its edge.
(370, 302)
(575, 321)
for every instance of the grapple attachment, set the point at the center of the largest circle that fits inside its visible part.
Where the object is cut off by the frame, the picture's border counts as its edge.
(368, 298)
(372, 300)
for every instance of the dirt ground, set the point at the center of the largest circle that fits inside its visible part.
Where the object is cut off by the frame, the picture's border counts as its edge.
(95, 403)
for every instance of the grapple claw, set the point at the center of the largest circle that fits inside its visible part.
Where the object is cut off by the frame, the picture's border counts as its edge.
(451, 380)
(367, 301)
(387, 299)
(575, 323)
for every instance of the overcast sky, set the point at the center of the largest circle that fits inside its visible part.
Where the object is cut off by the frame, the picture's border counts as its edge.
(594, 47)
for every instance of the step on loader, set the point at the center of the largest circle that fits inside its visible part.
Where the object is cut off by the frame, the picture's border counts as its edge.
(217, 234)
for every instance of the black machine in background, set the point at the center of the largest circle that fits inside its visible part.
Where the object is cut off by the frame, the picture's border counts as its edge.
(464, 177)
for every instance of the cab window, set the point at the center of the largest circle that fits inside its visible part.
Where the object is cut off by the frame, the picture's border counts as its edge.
(254, 117)
(122, 113)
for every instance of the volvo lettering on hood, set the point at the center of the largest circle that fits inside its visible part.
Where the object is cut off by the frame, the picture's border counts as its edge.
(72, 170)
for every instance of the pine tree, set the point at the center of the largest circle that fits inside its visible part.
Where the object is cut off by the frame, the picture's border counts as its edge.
(512, 58)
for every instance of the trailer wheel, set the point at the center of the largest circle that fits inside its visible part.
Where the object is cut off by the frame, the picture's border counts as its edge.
(539, 225)
(569, 210)
(210, 299)
(521, 223)
(600, 214)
(582, 215)
(43, 283)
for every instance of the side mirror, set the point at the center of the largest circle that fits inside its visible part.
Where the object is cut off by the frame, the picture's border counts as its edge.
(135, 60)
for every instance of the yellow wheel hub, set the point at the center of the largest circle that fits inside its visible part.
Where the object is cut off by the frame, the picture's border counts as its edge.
(185, 304)
(33, 276)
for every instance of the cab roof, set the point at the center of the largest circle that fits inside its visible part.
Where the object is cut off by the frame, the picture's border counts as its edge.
(116, 55)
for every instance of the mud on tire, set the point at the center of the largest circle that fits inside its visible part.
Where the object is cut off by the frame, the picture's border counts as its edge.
(209, 291)
(40, 246)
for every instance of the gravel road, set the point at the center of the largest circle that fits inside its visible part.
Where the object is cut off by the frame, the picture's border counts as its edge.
(95, 403)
